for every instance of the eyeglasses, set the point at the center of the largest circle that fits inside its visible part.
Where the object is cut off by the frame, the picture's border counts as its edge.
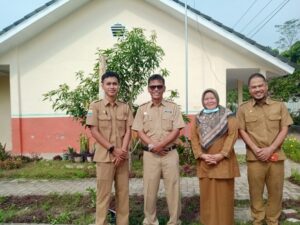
(158, 87)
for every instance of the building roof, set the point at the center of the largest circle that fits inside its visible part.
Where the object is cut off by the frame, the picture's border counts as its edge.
(54, 10)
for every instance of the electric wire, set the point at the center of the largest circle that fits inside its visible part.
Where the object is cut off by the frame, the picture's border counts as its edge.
(239, 20)
(254, 17)
(277, 11)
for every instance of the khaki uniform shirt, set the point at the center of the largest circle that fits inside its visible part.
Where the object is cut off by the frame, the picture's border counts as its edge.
(112, 122)
(263, 123)
(158, 121)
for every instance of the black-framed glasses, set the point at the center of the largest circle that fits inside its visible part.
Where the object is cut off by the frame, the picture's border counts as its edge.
(159, 87)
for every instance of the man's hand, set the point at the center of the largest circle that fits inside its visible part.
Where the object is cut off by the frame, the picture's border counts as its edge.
(263, 154)
(159, 149)
(120, 156)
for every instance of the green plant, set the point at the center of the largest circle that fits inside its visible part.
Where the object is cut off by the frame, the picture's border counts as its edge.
(62, 218)
(134, 57)
(11, 163)
(84, 143)
(295, 176)
(93, 196)
(291, 148)
(185, 151)
(3, 153)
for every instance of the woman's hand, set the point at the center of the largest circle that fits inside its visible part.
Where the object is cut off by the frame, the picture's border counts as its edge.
(208, 159)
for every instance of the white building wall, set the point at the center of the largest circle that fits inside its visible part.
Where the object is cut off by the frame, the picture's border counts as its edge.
(55, 55)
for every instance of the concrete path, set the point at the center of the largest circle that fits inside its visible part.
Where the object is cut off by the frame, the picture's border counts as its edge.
(189, 186)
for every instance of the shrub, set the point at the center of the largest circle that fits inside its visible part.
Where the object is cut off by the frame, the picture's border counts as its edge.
(10, 163)
(3, 154)
(291, 148)
(295, 177)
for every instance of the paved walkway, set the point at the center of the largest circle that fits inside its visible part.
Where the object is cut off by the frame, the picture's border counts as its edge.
(189, 186)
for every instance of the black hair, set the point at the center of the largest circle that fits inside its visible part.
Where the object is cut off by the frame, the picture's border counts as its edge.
(255, 75)
(110, 74)
(156, 77)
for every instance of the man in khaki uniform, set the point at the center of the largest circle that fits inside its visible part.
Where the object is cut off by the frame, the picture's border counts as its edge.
(263, 125)
(158, 123)
(110, 123)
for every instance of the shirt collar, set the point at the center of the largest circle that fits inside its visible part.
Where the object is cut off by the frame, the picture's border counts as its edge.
(106, 102)
(163, 102)
(267, 101)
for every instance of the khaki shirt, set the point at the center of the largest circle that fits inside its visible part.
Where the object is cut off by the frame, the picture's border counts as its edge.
(158, 121)
(112, 122)
(263, 123)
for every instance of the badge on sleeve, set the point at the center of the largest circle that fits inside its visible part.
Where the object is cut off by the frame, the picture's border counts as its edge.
(89, 113)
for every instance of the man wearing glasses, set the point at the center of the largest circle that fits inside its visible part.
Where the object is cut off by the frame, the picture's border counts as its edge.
(158, 123)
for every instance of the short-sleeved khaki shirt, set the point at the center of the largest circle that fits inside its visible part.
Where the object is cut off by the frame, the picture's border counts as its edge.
(158, 121)
(112, 122)
(263, 123)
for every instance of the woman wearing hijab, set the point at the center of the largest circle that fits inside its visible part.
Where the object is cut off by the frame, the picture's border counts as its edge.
(214, 133)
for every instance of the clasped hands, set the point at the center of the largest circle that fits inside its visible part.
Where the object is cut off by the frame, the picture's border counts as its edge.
(120, 155)
(212, 159)
(263, 154)
(158, 149)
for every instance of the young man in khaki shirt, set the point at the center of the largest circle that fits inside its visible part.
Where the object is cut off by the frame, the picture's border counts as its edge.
(263, 125)
(110, 123)
(158, 123)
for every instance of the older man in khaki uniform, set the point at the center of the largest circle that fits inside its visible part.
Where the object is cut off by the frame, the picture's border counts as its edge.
(110, 122)
(158, 123)
(263, 124)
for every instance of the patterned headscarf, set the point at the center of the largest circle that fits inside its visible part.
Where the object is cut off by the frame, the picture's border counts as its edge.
(214, 124)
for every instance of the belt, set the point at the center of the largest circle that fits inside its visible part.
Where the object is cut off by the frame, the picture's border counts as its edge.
(145, 148)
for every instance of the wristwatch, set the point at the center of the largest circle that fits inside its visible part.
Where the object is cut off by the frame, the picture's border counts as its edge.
(150, 147)
(111, 149)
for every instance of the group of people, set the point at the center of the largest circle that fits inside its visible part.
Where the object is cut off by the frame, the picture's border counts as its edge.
(261, 122)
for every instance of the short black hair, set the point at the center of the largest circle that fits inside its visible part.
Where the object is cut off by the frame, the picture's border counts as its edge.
(156, 77)
(110, 74)
(255, 75)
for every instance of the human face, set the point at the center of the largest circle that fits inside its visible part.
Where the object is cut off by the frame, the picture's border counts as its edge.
(110, 86)
(156, 88)
(210, 101)
(258, 88)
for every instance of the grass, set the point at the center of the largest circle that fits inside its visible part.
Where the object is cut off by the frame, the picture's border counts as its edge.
(80, 209)
(295, 177)
(291, 147)
(45, 169)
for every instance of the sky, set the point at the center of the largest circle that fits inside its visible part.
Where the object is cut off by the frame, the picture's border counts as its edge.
(245, 16)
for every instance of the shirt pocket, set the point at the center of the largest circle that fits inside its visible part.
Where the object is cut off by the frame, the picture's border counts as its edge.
(121, 124)
(104, 122)
(147, 123)
(274, 122)
(251, 122)
(167, 122)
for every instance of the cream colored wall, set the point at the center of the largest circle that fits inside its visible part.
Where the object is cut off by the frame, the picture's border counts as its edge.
(53, 56)
(5, 120)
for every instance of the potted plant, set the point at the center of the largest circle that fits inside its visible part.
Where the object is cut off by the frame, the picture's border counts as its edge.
(84, 146)
(71, 152)
(78, 157)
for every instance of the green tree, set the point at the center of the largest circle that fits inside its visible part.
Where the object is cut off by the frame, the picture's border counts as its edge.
(289, 33)
(134, 57)
(288, 87)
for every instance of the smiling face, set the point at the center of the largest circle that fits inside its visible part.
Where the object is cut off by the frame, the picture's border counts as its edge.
(258, 88)
(210, 101)
(156, 89)
(110, 86)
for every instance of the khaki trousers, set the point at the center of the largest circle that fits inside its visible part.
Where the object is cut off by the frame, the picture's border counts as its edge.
(106, 174)
(270, 174)
(166, 166)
